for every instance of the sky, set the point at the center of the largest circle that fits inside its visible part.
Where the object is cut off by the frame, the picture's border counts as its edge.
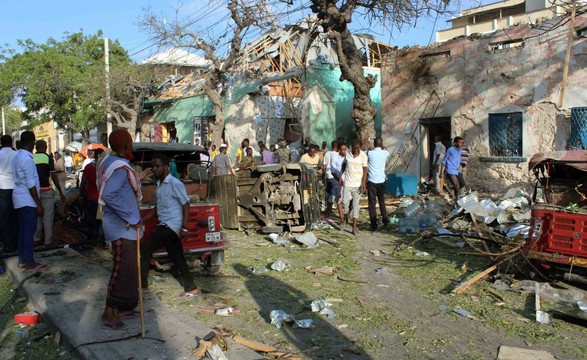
(118, 19)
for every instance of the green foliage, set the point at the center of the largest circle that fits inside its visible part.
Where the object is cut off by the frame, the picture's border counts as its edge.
(65, 80)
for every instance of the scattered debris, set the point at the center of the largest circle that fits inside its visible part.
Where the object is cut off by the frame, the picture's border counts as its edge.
(279, 240)
(324, 270)
(28, 318)
(381, 271)
(514, 353)
(303, 324)
(318, 305)
(278, 317)
(258, 271)
(208, 342)
(464, 286)
(456, 310)
(421, 253)
(226, 311)
(279, 265)
(309, 239)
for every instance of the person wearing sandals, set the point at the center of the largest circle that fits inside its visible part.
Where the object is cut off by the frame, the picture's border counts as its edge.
(172, 211)
(119, 191)
(26, 199)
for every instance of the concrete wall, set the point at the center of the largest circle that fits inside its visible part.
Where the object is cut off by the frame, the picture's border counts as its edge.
(327, 104)
(466, 81)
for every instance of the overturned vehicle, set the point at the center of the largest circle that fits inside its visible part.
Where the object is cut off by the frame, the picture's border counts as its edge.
(557, 241)
(268, 198)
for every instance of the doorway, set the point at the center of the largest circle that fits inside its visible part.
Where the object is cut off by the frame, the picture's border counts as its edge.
(430, 128)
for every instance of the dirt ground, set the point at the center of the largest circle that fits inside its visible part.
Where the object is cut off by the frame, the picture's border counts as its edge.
(392, 315)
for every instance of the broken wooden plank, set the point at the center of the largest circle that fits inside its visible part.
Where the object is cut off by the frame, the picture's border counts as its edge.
(464, 286)
(514, 353)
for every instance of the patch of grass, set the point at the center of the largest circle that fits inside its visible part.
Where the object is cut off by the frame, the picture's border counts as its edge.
(31, 346)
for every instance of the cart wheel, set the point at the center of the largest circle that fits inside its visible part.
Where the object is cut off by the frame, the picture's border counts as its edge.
(214, 262)
(212, 269)
(272, 229)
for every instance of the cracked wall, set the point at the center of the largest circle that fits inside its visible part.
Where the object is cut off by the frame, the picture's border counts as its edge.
(464, 80)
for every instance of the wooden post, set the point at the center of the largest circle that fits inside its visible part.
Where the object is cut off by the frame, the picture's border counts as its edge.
(568, 55)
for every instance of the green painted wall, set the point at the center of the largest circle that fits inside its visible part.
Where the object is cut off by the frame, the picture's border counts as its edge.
(337, 104)
(182, 112)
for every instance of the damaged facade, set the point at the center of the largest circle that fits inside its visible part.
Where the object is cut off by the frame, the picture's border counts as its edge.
(501, 92)
(285, 84)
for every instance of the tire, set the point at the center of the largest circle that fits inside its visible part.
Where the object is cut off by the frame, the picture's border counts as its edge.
(214, 262)
(271, 229)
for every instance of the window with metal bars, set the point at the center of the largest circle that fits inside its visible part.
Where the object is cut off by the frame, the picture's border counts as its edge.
(505, 134)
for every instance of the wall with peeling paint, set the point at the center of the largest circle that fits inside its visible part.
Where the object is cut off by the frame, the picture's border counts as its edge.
(466, 79)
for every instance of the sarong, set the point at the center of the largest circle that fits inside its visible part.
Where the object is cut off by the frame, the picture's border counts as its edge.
(123, 288)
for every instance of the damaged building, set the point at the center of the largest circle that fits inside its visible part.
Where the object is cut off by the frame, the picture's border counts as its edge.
(284, 84)
(510, 93)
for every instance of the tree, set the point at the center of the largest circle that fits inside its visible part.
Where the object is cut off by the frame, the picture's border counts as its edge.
(13, 119)
(334, 16)
(183, 33)
(64, 81)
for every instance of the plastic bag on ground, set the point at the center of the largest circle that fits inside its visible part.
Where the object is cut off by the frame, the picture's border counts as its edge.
(318, 305)
(279, 265)
(279, 240)
(309, 239)
(278, 317)
(514, 193)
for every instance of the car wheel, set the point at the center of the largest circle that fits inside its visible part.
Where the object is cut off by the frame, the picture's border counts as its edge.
(272, 229)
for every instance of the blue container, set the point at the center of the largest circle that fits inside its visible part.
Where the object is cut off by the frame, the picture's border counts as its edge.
(401, 184)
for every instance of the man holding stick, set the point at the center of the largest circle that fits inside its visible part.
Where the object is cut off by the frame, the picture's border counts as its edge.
(119, 190)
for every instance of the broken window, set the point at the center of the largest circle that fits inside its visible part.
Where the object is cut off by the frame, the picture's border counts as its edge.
(505, 134)
(435, 55)
(506, 45)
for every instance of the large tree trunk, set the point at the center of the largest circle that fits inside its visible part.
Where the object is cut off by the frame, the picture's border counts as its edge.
(351, 66)
(217, 126)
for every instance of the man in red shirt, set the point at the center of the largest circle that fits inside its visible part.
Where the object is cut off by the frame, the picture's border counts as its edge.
(89, 191)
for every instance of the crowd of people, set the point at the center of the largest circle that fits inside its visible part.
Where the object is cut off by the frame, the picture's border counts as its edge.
(111, 189)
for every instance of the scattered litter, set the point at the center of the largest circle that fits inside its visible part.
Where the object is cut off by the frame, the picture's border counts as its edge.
(258, 271)
(159, 278)
(278, 317)
(501, 284)
(279, 265)
(393, 220)
(412, 209)
(309, 239)
(303, 324)
(318, 305)
(328, 312)
(462, 312)
(28, 318)
(342, 326)
(582, 305)
(226, 311)
(516, 230)
(514, 353)
(321, 225)
(421, 253)
(561, 296)
(443, 307)
(216, 353)
(515, 193)
(279, 240)
(381, 271)
(382, 285)
(408, 225)
(324, 270)
(375, 252)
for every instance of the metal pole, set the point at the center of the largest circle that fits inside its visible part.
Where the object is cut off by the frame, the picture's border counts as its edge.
(3, 123)
(107, 70)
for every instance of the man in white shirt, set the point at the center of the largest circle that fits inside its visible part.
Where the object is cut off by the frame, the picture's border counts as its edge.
(68, 162)
(354, 170)
(329, 179)
(8, 235)
(437, 158)
(376, 182)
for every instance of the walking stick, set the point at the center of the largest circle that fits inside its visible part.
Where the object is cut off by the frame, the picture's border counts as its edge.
(140, 282)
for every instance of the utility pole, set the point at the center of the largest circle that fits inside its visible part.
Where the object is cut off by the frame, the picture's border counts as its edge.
(3, 123)
(568, 55)
(107, 68)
